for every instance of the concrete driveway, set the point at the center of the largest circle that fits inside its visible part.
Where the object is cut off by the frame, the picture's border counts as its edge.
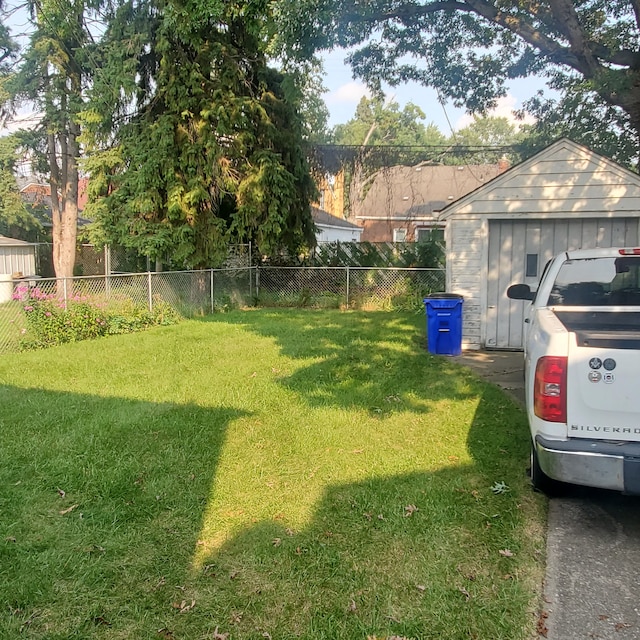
(592, 584)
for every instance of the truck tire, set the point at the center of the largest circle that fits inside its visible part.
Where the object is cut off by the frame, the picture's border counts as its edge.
(540, 481)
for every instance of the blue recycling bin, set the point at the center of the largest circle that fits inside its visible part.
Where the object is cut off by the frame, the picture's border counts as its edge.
(444, 323)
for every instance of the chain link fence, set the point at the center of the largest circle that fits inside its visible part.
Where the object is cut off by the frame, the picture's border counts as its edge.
(348, 287)
(197, 293)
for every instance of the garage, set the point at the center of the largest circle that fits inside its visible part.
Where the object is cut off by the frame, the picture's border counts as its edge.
(565, 197)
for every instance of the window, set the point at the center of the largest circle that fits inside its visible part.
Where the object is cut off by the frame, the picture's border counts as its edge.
(532, 265)
(399, 235)
(598, 281)
(426, 234)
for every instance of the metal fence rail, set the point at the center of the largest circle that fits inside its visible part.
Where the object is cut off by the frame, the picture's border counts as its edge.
(194, 293)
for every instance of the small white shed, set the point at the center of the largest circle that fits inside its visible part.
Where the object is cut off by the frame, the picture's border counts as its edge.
(564, 197)
(17, 256)
(333, 229)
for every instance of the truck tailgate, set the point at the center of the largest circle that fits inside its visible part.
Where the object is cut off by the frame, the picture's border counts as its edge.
(603, 395)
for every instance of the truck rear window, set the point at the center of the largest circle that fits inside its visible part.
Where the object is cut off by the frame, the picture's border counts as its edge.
(598, 281)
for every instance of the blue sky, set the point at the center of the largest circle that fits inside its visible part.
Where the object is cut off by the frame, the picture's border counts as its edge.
(344, 93)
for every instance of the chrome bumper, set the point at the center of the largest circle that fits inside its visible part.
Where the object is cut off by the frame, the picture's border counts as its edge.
(591, 463)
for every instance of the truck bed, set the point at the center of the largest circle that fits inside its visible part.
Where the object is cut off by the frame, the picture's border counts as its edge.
(604, 329)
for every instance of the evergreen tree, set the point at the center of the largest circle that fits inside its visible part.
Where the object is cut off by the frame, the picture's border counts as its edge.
(194, 141)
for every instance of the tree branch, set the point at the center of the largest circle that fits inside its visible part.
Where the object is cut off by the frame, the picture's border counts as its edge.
(636, 9)
(567, 20)
(582, 55)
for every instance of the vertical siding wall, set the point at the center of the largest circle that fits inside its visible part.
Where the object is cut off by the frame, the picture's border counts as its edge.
(466, 267)
(17, 259)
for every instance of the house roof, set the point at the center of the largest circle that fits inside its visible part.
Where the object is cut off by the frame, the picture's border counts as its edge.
(422, 190)
(323, 218)
(542, 170)
(13, 242)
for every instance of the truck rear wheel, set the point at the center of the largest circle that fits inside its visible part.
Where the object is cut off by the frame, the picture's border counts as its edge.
(540, 481)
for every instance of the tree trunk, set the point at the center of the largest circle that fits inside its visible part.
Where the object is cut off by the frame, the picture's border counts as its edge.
(64, 198)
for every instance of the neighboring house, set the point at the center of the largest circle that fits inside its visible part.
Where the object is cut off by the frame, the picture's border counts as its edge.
(332, 229)
(38, 196)
(401, 204)
(564, 197)
(331, 194)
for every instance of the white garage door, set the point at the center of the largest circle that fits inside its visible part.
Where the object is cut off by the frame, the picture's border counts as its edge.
(519, 250)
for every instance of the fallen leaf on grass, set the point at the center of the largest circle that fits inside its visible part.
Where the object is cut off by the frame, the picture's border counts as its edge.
(166, 634)
(184, 606)
(541, 625)
(100, 620)
(500, 487)
(409, 510)
(465, 593)
(94, 548)
(69, 509)
(421, 587)
(505, 553)
(352, 606)
(358, 451)
(62, 493)
(10, 539)
(276, 542)
(219, 636)
(603, 617)
(236, 617)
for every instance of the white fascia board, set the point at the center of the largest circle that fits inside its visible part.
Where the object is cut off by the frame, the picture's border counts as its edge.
(401, 218)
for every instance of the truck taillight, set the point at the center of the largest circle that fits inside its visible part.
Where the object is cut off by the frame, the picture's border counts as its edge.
(550, 389)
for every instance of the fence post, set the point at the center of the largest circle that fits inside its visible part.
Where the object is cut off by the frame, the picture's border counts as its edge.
(149, 294)
(212, 297)
(64, 292)
(347, 287)
(257, 283)
(107, 271)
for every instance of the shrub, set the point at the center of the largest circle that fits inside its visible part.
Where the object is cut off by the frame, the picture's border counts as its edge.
(49, 323)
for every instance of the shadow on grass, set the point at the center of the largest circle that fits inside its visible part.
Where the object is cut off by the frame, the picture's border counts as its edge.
(419, 555)
(101, 501)
(374, 360)
(413, 554)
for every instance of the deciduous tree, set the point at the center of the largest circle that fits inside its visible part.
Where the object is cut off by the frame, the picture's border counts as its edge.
(470, 49)
(54, 71)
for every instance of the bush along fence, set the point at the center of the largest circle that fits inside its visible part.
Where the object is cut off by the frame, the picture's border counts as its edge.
(36, 313)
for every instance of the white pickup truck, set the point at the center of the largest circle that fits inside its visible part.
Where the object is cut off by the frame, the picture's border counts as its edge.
(582, 370)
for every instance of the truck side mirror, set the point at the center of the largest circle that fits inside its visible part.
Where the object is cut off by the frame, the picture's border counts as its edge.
(520, 292)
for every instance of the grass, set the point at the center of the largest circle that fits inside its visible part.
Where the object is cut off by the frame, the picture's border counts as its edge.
(274, 473)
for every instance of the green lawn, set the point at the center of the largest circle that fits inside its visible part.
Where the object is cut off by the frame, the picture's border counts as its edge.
(263, 474)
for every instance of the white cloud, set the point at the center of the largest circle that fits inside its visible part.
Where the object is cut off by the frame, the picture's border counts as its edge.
(349, 93)
(504, 109)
